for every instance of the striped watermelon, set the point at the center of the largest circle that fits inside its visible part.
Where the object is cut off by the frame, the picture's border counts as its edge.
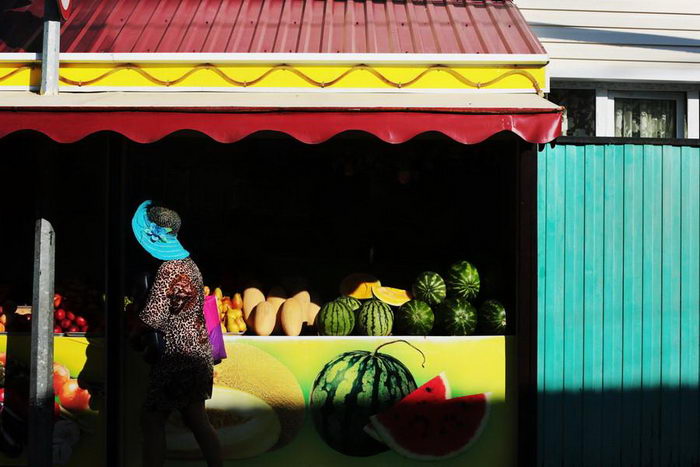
(335, 319)
(492, 317)
(463, 280)
(351, 388)
(430, 288)
(457, 317)
(375, 318)
(351, 302)
(415, 318)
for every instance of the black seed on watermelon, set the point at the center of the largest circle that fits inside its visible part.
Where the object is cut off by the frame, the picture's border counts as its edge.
(440, 429)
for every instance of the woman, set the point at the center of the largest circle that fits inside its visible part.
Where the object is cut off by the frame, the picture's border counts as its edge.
(182, 376)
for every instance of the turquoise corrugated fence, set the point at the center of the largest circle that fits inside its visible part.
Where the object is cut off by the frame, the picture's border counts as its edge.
(619, 305)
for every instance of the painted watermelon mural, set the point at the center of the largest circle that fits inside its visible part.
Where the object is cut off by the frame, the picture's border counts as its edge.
(429, 424)
(458, 434)
(352, 387)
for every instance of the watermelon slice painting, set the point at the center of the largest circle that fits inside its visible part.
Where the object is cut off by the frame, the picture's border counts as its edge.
(430, 425)
(437, 389)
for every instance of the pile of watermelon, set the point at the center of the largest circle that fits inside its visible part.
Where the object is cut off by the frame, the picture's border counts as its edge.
(452, 300)
(428, 424)
(434, 305)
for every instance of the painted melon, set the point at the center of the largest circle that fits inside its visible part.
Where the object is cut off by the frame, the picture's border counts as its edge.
(391, 296)
(437, 389)
(348, 390)
(359, 285)
(414, 318)
(457, 317)
(430, 287)
(463, 280)
(432, 429)
(492, 317)
(375, 318)
(335, 319)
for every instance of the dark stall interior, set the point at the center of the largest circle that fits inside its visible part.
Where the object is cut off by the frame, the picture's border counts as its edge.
(270, 210)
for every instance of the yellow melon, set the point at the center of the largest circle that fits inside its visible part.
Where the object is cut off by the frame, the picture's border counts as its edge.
(246, 424)
(291, 317)
(251, 297)
(255, 371)
(359, 285)
(264, 318)
(391, 296)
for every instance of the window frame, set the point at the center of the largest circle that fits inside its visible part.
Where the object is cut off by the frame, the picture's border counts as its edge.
(687, 97)
(679, 97)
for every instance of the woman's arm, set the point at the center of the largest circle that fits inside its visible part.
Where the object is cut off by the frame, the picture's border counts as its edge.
(157, 310)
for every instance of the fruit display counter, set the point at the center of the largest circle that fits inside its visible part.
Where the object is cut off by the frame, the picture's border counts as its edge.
(78, 380)
(349, 401)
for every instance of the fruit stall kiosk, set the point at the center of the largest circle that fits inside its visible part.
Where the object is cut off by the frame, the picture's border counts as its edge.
(365, 222)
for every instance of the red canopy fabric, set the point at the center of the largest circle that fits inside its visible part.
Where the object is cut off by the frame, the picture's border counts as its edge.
(312, 126)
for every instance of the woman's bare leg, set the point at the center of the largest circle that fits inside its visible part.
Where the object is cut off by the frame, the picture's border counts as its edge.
(195, 417)
(153, 427)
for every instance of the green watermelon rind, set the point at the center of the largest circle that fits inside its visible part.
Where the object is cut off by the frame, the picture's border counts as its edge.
(351, 302)
(334, 327)
(460, 286)
(430, 288)
(389, 440)
(370, 323)
(448, 325)
(488, 317)
(342, 372)
(410, 327)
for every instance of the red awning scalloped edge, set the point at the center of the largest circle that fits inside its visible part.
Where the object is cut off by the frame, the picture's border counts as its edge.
(312, 127)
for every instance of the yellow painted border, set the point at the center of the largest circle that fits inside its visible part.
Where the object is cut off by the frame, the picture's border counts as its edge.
(20, 74)
(279, 76)
(302, 76)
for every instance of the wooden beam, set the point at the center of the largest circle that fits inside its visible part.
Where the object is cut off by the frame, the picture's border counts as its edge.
(41, 396)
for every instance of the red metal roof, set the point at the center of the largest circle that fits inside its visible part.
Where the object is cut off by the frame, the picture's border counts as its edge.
(297, 26)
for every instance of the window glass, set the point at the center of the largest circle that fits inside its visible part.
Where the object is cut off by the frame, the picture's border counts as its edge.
(579, 113)
(645, 118)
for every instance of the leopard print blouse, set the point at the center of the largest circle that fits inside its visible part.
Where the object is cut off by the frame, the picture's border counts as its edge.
(184, 373)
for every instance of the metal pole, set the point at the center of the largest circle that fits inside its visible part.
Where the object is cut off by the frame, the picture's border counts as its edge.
(50, 49)
(41, 397)
(115, 337)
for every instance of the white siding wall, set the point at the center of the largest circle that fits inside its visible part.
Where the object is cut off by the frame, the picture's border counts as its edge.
(627, 40)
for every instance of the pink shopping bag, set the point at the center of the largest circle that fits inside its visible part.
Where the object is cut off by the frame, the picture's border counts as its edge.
(216, 337)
